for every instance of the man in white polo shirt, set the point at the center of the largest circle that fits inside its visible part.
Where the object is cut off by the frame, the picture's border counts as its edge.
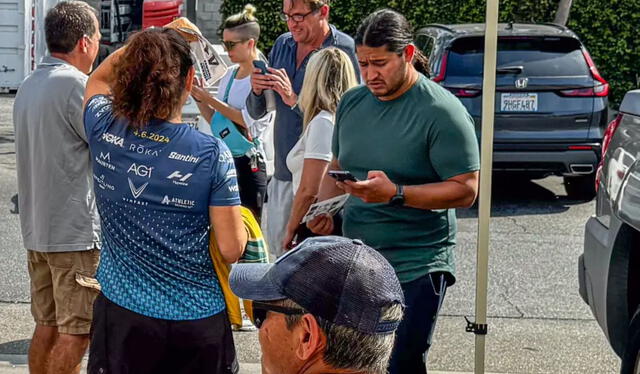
(59, 221)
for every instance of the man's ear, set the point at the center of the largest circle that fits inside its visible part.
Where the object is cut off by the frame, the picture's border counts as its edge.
(311, 338)
(409, 53)
(82, 45)
(190, 74)
(324, 11)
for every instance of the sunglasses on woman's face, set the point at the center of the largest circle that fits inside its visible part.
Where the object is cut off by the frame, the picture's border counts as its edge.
(228, 44)
(260, 312)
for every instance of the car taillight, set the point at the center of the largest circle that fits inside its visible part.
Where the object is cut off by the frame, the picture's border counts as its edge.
(464, 92)
(599, 90)
(608, 133)
(443, 69)
(606, 140)
(579, 92)
(580, 147)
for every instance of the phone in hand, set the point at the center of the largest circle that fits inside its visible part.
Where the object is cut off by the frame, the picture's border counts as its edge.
(342, 175)
(259, 64)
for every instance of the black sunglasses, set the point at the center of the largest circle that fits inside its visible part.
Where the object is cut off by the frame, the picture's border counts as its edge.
(228, 45)
(260, 312)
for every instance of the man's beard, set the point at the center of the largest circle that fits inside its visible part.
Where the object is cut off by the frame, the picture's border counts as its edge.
(396, 86)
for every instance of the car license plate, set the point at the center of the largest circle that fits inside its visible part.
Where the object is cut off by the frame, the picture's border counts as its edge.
(519, 102)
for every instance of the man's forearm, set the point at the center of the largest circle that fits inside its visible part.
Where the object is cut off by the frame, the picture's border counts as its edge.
(256, 105)
(441, 195)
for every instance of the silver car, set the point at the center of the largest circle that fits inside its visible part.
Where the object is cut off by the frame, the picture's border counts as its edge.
(609, 268)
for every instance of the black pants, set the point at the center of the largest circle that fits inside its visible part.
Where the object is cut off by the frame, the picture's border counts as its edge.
(124, 342)
(252, 184)
(423, 298)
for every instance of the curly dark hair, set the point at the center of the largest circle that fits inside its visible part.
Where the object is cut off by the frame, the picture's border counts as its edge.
(150, 76)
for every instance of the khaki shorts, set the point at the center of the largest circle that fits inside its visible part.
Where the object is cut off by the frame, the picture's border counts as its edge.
(57, 297)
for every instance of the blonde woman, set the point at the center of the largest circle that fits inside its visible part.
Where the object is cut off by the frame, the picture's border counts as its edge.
(329, 75)
(227, 112)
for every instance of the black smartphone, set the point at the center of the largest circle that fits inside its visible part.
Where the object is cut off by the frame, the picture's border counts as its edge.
(259, 64)
(342, 175)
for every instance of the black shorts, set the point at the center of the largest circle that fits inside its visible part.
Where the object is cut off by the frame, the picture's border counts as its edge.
(124, 342)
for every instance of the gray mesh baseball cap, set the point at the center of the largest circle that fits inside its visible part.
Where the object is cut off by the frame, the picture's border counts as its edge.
(341, 280)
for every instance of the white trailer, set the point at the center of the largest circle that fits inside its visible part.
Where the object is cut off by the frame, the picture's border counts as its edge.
(22, 42)
(15, 46)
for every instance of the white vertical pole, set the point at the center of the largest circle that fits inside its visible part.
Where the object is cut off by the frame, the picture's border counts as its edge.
(486, 157)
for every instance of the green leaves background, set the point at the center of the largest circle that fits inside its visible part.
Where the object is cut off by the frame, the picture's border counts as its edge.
(609, 28)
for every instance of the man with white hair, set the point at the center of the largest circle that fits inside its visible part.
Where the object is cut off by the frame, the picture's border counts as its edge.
(329, 305)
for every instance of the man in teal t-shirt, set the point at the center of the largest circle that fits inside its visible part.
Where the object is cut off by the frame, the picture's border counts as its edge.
(412, 145)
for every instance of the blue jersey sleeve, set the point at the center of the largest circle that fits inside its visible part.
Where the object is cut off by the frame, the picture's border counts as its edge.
(97, 115)
(224, 181)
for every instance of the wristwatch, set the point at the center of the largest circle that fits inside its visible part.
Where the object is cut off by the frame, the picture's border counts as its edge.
(398, 198)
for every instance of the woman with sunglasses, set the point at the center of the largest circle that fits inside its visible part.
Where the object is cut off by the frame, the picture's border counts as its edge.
(227, 112)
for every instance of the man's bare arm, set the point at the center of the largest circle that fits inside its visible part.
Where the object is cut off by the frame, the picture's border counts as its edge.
(456, 192)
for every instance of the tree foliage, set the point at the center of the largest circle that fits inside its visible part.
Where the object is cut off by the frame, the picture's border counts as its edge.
(608, 29)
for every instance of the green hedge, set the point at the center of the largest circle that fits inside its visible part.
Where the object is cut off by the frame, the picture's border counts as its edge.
(607, 31)
(611, 36)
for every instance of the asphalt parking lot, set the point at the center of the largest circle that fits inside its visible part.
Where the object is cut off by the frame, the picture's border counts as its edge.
(537, 324)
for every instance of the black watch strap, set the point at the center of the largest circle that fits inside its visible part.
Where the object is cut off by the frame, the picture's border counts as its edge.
(398, 198)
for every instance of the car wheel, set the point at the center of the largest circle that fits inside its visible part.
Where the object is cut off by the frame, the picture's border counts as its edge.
(631, 357)
(582, 187)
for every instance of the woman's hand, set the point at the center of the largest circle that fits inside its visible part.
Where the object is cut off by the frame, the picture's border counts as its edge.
(287, 243)
(198, 92)
(321, 225)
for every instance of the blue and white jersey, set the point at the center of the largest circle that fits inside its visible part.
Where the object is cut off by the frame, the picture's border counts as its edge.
(153, 189)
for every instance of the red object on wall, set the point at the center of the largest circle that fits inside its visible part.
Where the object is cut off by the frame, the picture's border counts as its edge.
(160, 12)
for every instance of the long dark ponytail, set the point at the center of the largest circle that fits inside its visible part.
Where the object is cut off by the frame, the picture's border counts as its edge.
(386, 27)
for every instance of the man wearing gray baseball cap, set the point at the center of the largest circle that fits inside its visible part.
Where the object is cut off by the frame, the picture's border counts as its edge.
(330, 305)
